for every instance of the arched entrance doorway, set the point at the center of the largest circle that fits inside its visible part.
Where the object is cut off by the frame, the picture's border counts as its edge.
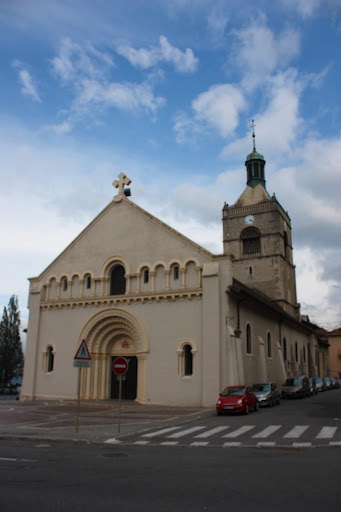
(109, 334)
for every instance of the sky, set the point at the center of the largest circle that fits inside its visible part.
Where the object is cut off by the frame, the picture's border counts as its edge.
(165, 91)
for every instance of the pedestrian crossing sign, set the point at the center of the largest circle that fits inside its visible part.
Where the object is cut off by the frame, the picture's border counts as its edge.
(82, 355)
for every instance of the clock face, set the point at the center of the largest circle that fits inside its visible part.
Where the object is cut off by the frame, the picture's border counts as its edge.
(249, 219)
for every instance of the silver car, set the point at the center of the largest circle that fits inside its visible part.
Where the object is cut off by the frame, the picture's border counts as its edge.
(267, 393)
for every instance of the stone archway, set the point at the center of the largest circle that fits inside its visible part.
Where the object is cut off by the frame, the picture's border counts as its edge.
(112, 332)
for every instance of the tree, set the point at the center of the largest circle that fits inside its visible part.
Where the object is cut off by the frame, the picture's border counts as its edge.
(11, 353)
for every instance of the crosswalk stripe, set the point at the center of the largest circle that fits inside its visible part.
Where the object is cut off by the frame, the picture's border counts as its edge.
(141, 442)
(326, 432)
(169, 443)
(199, 443)
(240, 431)
(211, 432)
(183, 433)
(231, 444)
(301, 445)
(296, 432)
(266, 443)
(267, 431)
(335, 443)
(161, 432)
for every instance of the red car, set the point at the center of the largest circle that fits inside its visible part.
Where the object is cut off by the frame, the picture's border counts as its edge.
(237, 399)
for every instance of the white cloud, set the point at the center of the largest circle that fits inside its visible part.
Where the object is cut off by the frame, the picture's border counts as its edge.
(28, 87)
(73, 61)
(183, 61)
(218, 107)
(259, 52)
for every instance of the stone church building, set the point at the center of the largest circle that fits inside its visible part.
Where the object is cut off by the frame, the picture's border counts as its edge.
(189, 322)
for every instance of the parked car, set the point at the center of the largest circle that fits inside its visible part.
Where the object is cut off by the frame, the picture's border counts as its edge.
(237, 399)
(298, 387)
(313, 388)
(328, 383)
(267, 393)
(320, 384)
(336, 383)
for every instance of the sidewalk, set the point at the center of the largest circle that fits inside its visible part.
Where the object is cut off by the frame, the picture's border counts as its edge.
(98, 421)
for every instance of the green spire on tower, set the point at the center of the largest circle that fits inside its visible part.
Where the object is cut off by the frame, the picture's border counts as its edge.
(255, 164)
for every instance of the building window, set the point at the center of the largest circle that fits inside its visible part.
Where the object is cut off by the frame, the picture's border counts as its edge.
(64, 284)
(251, 241)
(146, 275)
(296, 351)
(304, 354)
(269, 345)
(117, 280)
(88, 282)
(49, 359)
(248, 339)
(176, 272)
(285, 356)
(188, 360)
(286, 245)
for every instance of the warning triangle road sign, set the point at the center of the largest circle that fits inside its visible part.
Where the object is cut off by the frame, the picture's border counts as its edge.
(82, 353)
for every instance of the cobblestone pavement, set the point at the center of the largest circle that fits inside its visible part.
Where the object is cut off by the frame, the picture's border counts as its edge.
(97, 421)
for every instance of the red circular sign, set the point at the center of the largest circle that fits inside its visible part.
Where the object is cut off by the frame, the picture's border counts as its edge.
(120, 365)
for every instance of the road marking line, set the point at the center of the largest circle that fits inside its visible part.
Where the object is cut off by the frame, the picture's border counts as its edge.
(112, 440)
(199, 443)
(296, 432)
(231, 444)
(141, 442)
(240, 431)
(183, 433)
(266, 443)
(301, 445)
(160, 432)
(267, 432)
(169, 443)
(211, 432)
(326, 432)
(335, 443)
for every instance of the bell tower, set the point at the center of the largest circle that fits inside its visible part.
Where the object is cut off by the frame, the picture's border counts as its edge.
(257, 235)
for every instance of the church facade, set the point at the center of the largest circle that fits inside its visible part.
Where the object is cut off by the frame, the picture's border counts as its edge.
(189, 322)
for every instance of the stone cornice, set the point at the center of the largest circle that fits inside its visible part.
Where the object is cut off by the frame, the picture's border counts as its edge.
(122, 300)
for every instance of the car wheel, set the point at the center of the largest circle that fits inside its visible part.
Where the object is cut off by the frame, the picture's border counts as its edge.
(247, 410)
(219, 413)
(270, 402)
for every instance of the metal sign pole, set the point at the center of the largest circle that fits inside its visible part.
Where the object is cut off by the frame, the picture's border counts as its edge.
(119, 401)
(78, 398)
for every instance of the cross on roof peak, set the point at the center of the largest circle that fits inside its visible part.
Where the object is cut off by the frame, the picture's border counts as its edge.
(120, 183)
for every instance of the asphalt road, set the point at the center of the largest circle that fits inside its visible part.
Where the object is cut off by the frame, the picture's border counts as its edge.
(61, 476)
(301, 423)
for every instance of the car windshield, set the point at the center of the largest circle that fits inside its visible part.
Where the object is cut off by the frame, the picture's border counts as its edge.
(261, 387)
(318, 381)
(293, 382)
(237, 391)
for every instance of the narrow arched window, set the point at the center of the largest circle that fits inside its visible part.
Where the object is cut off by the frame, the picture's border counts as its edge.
(64, 284)
(49, 359)
(285, 356)
(88, 282)
(146, 275)
(248, 339)
(296, 351)
(117, 280)
(176, 272)
(251, 241)
(269, 345)
(188, 360)
(304, 354)
(286, 245)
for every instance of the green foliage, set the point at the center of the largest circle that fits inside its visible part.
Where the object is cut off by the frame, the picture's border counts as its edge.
(11, 353)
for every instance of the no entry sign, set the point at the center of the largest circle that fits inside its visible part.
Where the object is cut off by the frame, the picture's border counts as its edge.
(120, 365)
